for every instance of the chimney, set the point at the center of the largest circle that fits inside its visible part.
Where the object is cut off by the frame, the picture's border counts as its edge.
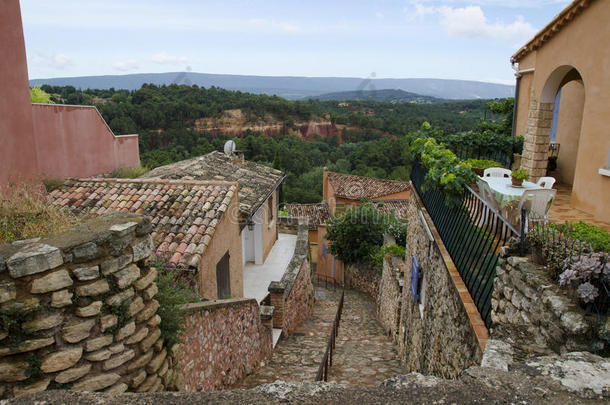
(238, 156)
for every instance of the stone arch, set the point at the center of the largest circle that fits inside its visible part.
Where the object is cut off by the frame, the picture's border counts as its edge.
(538, 130)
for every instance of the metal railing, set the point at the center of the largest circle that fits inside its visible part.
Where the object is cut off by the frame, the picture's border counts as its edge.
(473, 233)
(327, 359)
(323, 279)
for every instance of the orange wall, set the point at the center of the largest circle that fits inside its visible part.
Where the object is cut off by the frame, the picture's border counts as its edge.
(324, 265)
(226, 237)
(582, 44)
(17, 144)
(74, 141)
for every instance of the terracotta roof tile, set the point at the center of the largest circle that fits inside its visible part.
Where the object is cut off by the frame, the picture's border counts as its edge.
(354, 187)
(170, 218)
(316, 214)
(396, 207)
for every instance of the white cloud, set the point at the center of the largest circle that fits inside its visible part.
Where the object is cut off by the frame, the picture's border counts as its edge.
(379, 15)
(56, 60)
(126, 65)
(164, 59)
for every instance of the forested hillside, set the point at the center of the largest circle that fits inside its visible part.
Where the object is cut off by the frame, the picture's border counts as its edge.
(360, 137)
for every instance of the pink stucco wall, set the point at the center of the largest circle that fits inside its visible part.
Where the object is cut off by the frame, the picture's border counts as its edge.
(74, 141)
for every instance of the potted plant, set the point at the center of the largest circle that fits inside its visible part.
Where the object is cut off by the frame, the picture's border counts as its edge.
(517, 177)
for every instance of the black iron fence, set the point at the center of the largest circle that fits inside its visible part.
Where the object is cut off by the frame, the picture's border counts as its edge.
(482, 153)
(473, 233)
(327, 359)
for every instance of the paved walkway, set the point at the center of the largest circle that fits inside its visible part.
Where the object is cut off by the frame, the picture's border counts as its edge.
(363, 356)
(258, 276)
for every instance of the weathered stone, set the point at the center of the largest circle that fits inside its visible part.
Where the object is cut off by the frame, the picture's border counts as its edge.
(137, 379)
(138, 336)
(126, 331)
(51, 282)
(72, 374)
(117, 245)
(7, 291)
(154, 365)
(34, 258)
(92, 309)
(125, 259)
(85, 252)
(164, 368)
(154, 321)
(123, 229)
(98, 342)
(61, 299)
(43, 322)
(76, 331)
(87, 273)
(145, 280)
(28, 346)
(498, 355)
(150, 292)
(117, 389)
(136, 306)
(148, 383)
(108, 321)
(96, 383)
(118, 348)
(117, 299)
(158, 344)
(124, 278)
(31, 388)
(574, 323)
(11, 370)
(141, 361)
(142, 248)
(100, 355)
(109, 266)
(96, 288)
(61, 360)
(118, 360)
(148, 312)
(150, 340)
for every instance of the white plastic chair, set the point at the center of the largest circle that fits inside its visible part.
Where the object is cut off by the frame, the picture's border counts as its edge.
(546, 182)
(496, 172)
(488, 195)
(537, 202)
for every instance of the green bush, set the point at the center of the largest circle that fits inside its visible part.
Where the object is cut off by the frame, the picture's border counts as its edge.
(128, 172)
(387, 251)
(596, 237)
(482, 164)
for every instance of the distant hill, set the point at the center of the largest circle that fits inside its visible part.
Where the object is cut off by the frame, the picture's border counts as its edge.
(290, 87)
(386, 95)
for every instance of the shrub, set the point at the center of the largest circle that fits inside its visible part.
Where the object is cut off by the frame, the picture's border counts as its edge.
(482, 164)
(128, 172)
(387, 251)
(598, 238)
(520, 174)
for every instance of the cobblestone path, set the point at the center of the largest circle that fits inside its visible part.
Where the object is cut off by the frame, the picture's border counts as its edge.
(363, 355)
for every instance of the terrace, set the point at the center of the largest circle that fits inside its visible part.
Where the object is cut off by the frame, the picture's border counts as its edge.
(561, 211)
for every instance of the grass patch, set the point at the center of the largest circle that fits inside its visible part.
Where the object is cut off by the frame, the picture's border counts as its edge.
(52, 183)
(26, 213)
(129, 172)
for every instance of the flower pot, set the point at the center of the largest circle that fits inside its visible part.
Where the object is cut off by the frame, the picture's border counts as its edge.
(516, 182)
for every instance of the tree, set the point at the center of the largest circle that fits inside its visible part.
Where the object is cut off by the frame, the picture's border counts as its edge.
(38, 95)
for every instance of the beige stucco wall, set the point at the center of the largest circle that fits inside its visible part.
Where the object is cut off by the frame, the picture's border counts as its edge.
(324, 265)
(226, 237)
(568, 129)
(269, 225)
(581, 44)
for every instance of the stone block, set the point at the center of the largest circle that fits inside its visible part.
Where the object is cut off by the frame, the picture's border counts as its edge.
(148, 384)
(109, 266)
(61, 360)
(116, 246)
(150, 340)
(118, 348)
(28, 346)
(574, 323)
(150, 292)
(108, 321)
(117, 299)
(43, 322)
(145, 280)
(124, 278)
(92, 309)
(34, 258)
(51, 282)
(124, 229)
(138, 336)
(85, 252)
(117, 389)
(98, 342)
(96, 288)
(76, 331)
(141, 361)
(163, 369)
(87, 273)
(137, 379)
(61, 299)
(142, 248)
(100, 355)
(154, 365)
(154, 321)
(136, 306)
(125, 331)
(38, 386)
(7, 291)
(97, 383)
(12, 371)
(148, 311)
(124, 260)
(158, 344)
(118, 360)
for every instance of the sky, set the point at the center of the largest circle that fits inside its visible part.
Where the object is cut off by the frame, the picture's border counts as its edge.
(447, 39)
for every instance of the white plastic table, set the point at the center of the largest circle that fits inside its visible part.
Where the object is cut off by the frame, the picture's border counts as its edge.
(504, 192)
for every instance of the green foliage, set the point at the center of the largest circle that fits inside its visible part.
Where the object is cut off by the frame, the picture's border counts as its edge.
(596, 237)
(397, 227)
(483, 145)
(121, 311)
(505, 108)
(520, 174)
(52, 183)
(386, 251)
(282, 213)
(128, 172)
(33, 372)
(37, 95)
(482, 164)
(11, 319)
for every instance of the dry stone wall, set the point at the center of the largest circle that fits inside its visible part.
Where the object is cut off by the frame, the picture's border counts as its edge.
(223, 341)
(362, 277)
(389, 298)
(78, 311)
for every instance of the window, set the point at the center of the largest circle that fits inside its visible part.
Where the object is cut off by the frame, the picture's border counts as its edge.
(223, 278)
(340, 209)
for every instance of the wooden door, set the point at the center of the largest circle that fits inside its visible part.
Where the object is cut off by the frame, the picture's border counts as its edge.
(223, 279)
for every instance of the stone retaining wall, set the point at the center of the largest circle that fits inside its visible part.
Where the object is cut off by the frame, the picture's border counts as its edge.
(438, 339)
(389, 298)
(529, 307)
(293, 296)
(362, 277)
(288, 225)
(223, 341)
(80, 311)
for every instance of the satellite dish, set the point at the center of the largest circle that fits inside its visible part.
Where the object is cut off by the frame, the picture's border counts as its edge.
(229, 148)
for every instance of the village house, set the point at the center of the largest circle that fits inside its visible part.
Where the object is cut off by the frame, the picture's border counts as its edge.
(192, 224)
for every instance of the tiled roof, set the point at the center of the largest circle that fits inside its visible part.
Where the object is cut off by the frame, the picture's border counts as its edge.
(357, 187)
(551, 29)
(184, 214)
(396, 207)
(256, 181)
(317, 214)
